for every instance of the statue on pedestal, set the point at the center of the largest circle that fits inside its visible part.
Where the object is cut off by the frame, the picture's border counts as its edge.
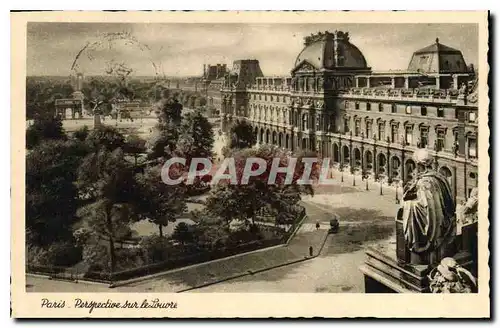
(428, 214)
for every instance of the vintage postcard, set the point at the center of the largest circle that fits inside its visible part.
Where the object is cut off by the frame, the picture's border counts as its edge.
(250, 164)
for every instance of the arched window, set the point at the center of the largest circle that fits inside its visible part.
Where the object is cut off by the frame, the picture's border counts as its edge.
(409, 134)
(357, 127)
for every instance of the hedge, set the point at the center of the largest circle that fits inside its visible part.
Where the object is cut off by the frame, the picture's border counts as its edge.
(175, 263)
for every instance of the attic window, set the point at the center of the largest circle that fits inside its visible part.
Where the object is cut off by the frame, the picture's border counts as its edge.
(423, 60)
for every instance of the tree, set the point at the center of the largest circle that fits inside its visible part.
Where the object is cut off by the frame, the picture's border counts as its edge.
(224, 202)
(134, 145)
(183, 233)
(203, 101)
(51, 196)
(246, 201)
(164, 137)
(207, 232)
(241, 135)
(41, 96)
(44, 127)
(169, 109)
(106, 182)
(105, 136)
(163, 140)
(82, 133)
(196, 137)
(158, 202)
(101, 94)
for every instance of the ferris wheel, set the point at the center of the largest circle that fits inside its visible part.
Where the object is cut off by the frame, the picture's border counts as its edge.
(110, 44)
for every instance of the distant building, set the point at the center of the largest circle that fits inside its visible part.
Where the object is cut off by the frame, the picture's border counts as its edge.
(74, 106)
(214, 72)
(366, 122)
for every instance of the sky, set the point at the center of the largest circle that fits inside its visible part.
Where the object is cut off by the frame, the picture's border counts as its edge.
(182, 49)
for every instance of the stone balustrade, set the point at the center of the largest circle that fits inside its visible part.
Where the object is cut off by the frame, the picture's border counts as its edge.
(447, 95)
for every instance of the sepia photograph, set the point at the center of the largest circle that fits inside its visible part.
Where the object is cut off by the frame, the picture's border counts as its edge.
(188, 158)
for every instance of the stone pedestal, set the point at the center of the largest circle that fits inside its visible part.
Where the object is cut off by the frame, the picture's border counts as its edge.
(97, 120)
(383, 274)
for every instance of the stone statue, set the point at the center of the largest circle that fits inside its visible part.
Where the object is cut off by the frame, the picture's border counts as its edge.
(428, 214)
(463, 89)
(467, 212)
(321, 82)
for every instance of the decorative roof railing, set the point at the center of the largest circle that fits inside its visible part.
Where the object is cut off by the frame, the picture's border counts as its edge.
(416, 94)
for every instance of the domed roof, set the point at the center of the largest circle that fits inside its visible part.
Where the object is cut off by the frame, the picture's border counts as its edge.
(329, 51)
(438, 58)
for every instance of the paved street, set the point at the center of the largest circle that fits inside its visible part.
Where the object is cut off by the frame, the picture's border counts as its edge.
(366, 219)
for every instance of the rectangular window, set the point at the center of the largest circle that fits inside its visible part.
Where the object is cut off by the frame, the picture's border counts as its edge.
(357, 128)
(424, 137)
(368, 106)
(408, 109)
(380, 107)
(423, 111)
(394, 133)
(409, 135)
(381, 131)
(440, 112)
(472, 117)
(472, 144)
(440, 140)
(394, 108)
(356, 105)
(369, 129)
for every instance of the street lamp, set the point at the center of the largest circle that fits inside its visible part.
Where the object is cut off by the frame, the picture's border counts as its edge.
(397, 187)
(380, 179)
(365, 177)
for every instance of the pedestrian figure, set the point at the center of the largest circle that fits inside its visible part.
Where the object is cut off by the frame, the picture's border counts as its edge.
(317, 225)
(310, 251)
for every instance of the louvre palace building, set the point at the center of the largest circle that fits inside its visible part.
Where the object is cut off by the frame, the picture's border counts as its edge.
(367, 122)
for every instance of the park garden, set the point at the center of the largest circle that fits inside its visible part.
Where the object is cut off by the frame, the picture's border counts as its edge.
(89, 192)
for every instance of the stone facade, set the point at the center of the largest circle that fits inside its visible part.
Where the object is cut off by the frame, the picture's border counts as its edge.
(367, 122)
